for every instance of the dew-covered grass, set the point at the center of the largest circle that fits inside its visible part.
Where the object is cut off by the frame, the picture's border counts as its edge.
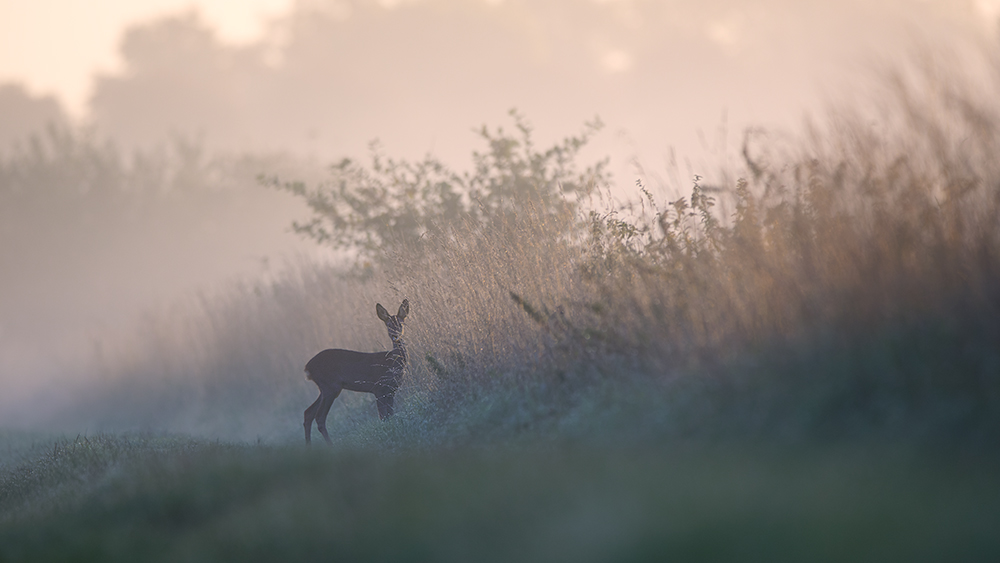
(130, 497)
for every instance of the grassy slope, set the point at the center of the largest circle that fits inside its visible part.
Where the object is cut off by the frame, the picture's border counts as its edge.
(127, 498)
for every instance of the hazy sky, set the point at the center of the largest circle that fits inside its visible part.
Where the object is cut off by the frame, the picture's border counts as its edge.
(55, 46)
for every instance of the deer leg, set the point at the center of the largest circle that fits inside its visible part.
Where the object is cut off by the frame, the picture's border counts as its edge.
(310, 415)
(384, 402)
(324, 409)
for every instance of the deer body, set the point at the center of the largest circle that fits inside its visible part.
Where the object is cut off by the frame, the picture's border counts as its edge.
(378, 373)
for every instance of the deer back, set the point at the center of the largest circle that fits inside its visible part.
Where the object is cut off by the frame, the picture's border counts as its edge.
(354, 371)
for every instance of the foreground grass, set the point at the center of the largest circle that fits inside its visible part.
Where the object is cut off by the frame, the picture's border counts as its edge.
(153, 498)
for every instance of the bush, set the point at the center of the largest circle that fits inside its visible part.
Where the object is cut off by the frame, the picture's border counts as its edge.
(398, 206)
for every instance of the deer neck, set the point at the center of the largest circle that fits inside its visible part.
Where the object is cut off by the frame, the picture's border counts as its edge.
(399, 351)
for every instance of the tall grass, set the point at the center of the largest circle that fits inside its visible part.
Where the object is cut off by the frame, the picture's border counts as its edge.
(852, 289)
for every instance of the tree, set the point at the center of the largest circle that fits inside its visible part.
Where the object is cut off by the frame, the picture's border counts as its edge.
(23, 115)
(397, 204)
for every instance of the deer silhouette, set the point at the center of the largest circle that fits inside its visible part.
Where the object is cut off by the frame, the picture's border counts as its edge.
(379, 373)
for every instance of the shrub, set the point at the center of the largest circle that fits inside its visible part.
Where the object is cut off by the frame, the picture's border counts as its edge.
(396, 205)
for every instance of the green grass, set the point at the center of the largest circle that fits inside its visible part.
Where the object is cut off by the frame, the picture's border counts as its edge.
(150, 498)
(17, 446)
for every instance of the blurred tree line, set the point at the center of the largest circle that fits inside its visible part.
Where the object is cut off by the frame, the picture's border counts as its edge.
(91, 231)
(329, 76)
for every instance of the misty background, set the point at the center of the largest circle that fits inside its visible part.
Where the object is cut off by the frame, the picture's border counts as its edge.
(149, 198)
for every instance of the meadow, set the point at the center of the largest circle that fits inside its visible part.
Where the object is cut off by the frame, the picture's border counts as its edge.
(160, 498)
(798, 359)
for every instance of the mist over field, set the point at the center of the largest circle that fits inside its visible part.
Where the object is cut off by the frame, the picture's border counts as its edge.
(683, 279)
(150, 195)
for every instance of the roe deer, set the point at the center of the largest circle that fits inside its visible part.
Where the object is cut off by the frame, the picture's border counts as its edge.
(376, 372)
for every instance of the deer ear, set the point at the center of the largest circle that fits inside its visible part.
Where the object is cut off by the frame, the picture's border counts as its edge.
(404, 310)
(381, 312)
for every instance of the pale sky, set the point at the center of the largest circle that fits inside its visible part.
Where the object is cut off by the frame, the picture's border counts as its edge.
(55, 46)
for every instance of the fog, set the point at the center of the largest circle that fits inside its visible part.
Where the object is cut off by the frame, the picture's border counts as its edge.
(151, 197)
(331, 76)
